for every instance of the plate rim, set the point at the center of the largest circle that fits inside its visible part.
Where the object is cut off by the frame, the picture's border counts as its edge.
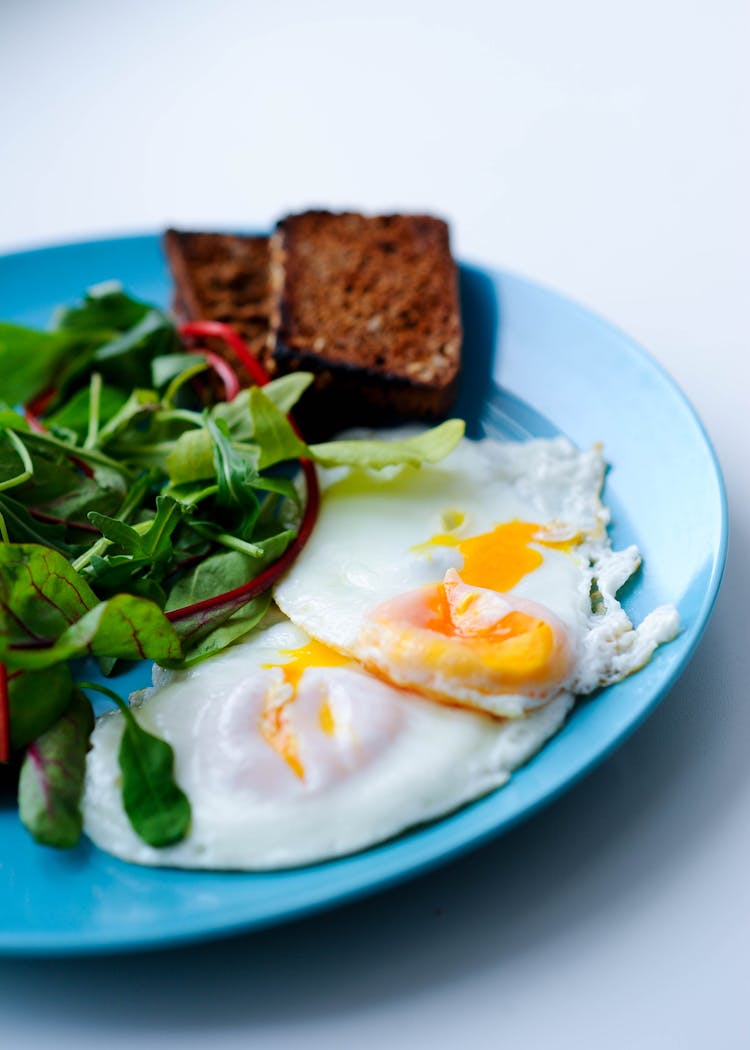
(184, 928)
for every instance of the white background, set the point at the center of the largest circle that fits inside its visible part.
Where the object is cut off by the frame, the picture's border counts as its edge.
(602, 149)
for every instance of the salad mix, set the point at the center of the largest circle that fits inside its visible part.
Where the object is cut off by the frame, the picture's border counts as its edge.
(148, 499)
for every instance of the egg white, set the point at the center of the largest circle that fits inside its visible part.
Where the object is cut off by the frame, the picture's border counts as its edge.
(396, 760)
(371, 545)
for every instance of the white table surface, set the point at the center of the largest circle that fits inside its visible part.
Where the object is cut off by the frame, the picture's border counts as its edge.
(601, 149)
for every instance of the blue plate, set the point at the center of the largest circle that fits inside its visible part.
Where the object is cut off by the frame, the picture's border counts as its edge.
(583, 378)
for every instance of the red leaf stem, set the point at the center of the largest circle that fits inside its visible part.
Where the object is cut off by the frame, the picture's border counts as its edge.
(248, 591)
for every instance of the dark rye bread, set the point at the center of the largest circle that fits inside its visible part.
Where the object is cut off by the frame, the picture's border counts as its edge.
(370, 305)
(222, 277)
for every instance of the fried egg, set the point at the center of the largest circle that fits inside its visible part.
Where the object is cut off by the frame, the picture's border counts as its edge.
(486, 580)
(291, 753)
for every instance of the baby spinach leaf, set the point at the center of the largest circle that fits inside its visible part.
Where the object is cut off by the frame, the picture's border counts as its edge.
(104, 306)
(427, 447)
(272, 431)
(192, 458)
(286, 391)
(50, 787)
(156, 806)
(30, 360)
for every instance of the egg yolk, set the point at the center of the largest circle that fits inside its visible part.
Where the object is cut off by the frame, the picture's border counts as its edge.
(499, 559)
(449, 636)
(274, 719)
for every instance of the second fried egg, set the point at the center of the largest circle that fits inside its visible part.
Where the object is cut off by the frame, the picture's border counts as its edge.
(486, 580)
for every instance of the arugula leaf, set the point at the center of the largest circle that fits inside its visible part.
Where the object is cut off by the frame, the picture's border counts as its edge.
(37, 700)
(427, 447)
(50, 787)
(235, 473)
(156, 806)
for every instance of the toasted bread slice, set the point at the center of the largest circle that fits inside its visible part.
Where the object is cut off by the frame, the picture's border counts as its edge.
(222, 277)
(370, 305)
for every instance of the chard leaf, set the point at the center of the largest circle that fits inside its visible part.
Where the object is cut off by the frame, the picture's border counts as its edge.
(213, 640)
(23, 528)
(41, 595)
(126, 627)
(37, 700)
(272, 431)
(51, 782)
(29, 360)
(58, 485)
(427, 447)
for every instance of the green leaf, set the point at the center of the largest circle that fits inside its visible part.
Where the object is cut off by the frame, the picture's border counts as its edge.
(72, 417)
(272, 431)
(126, 627)
(118, 532)
(286, 391)
(29, 360)
(58, 486)
(140, 403)
(165, 369)
(156, 806)
(52, 775)
(235, 473)
(427, 447)
(23, 528)
(192, 458)
(37, 700)
(41, 595)
(104, 306)
(213, 640)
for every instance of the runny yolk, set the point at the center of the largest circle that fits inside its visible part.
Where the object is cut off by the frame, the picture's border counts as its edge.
(499, 559)
(274, 719)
